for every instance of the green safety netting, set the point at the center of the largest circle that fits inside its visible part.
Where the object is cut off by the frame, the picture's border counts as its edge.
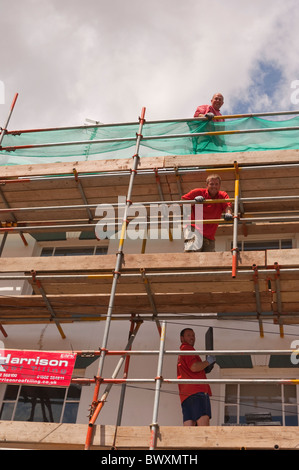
(171, 138)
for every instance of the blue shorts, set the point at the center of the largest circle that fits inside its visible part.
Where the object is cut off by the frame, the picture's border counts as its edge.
(195, 406)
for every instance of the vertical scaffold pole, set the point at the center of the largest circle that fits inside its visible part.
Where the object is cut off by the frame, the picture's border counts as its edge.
(2, 134)
(116, 273)
(235, 228)
(125, 375)
(4, 130)
(98, 404)
(119, 257)
(278, 299)
(258, 299)
(154, 425)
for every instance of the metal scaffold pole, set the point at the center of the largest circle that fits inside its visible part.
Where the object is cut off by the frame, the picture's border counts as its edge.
(125, 373)
(159, 121)
(97, 405)
(118, 264)
(2, 134)
(235, 228)
(4, 129)
(147, 138)
(154, 425)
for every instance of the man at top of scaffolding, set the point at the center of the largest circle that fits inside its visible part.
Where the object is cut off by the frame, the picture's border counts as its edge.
(194, 397)
(210, 110)
(200, 235)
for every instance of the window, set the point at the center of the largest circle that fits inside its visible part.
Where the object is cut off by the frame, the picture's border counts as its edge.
(41, 404)
(258, 245)
(254, 403)
(68, 251)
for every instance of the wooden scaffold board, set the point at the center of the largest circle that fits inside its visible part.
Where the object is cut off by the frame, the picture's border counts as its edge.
(180, 283)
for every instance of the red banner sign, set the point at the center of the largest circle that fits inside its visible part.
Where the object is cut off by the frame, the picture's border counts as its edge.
(36, 367)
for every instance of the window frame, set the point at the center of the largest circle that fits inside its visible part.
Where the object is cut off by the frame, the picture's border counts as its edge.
(237, 404)
(263, 241)
(15, 401)
(75, 248)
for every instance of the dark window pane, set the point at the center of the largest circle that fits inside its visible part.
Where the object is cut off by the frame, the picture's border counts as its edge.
(230, 416)
(47, 252)
(11, 392)
(6, 411)
(101, 250)
(265, 245)
(260, 400)
(231, 393)
(252, 246)
(74, 251)
(70, 412)
(291, 417)
(290, 394)
(286, 244)
(40, 404)
(74, 392)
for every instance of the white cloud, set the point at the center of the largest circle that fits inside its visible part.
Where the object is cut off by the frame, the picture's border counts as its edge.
(106, 59)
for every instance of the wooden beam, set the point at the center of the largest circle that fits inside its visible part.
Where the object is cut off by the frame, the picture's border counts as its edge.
(66, 168)
(176, 161)
(63, 192)
(152, 261)
(52, 436)
(226, 159)
(177, 285)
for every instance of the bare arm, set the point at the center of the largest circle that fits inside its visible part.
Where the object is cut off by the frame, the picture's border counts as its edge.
(199, 366)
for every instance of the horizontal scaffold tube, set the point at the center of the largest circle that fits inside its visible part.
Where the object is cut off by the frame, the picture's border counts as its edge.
(19, 277)
(86, 381)
(114, 205)
(98, 352)
(161, 121)
(222, 352)
(25, 227)
(240, 316)
(147, 138)
(135, 205)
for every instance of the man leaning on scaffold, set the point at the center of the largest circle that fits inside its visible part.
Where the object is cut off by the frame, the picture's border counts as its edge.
(199, 235)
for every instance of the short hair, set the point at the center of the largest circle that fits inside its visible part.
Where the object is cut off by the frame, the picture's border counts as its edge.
(213, 176)
(183, 331)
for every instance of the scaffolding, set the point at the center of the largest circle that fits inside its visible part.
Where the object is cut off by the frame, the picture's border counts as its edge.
(145, 278)
(159, 380)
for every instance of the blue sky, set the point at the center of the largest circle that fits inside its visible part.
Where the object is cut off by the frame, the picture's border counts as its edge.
(105, 60)
(266, 80)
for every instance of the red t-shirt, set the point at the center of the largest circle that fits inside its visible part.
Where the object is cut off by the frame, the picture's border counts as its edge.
(207, 108)
(210, 211)
(184, 372)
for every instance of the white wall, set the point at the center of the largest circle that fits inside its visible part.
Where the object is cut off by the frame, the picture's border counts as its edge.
(13, 248)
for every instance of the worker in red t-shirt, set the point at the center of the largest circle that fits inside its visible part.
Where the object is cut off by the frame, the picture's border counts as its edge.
(199, 236)
(210, 110)
(194, 397)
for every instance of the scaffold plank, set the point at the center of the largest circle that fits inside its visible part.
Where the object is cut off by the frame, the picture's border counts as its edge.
(104, 181)
(79, 288)
(55, 436)
(151, 261)
(250, 157)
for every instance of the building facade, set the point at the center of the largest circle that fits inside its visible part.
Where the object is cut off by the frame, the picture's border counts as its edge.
(57, 272)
